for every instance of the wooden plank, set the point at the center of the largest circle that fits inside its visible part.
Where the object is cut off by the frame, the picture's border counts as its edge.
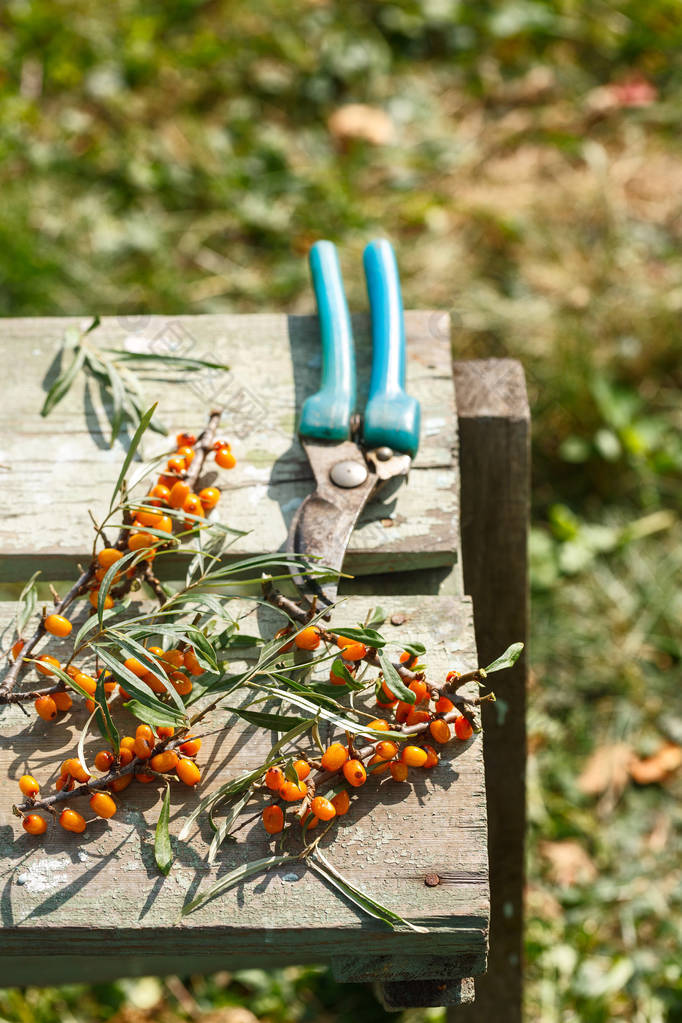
(420, 994)
(494, 427)
(99, 895)
(59, 467)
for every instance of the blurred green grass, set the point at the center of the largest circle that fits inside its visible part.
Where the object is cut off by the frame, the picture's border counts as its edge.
(526, 164)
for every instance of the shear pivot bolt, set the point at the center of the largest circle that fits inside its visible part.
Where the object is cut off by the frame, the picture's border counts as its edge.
(384, 453)
(348, 473)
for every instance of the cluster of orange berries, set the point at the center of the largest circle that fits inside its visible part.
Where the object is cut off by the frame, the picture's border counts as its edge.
(177, 667)
(141, 745)
(169, 492)
(385, 755)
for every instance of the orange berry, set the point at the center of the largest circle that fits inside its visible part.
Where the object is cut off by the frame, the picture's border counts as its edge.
(143, 748)
(420, 690)
(187, 452)
(166, 480)
(192, 505)
(413, 756)
(323, 808)
(64, 781)
(154, 682)
(308, 639)
(135, 667)
(354, 773)
(104, 761)
(273, 819)
(387, 694)
(109, 687)
(398, 771)
(70, 820)
(302, 769)
(74, 767)
(160, 492)
(463, 729)
(143, 777)
(127, 742)
(386, 703)
(62, 700)
(191, 746)
(352, 650)
(218, 444)
(291, 793)
(165, 731)
(108, 556)
(286, 631)
(341, 803)
(176, 463)
(89, 706)
(103, 805)
(406, 657)
(17, 648)
(119, 784)
(334, 757)
(58, 625)
(191, 662)
(181, 683)
(309, 821)
(274, 778)
(165, 525)
(187, 771)
(452, 676)
(209, 497)
(402, 712)
(140, 541)
(174, 658)
(443, 705)
(417, 717)
(94, 597)
(185, 439)
(440, 730)
(336, 680)
(165, 761)
(46, 659)
(71, 670)
(379, 725)
(46, 707)
(34, 824)
(28, 785)
(178, 495)
(225, 459)
(144, 731)
(148, 518)
(86, 682)
(377, 765)
(386, 749)
(431, 757)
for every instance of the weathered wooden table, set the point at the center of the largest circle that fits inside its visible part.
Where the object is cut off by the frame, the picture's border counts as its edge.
(95, 907)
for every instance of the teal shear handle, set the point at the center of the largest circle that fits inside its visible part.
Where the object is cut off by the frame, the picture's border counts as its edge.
(391, 416)
(326, 415)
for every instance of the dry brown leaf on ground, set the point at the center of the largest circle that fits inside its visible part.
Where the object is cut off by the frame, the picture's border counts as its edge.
(657, 768)
(359, 121)
(569, 863)
(606, 770)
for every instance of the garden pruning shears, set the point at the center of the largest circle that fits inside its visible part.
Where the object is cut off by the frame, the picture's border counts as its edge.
(352, 456)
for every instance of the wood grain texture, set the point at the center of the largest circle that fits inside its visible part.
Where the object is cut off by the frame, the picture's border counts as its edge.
(100, 896)
(57, 468)
(494, 427)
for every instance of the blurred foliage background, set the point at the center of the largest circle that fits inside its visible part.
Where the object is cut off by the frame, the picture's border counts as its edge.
(524, 158)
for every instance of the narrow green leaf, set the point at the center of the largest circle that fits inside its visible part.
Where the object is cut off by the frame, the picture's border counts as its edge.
(323, 867)
(224, 827)
(340, 720)
(341, 671)
(290, 771)
(370, 637)
(28, 599)
(159, 715)
(107, 581)
(289, 737)
(63, 382)
(239, 874)
(377, 617)
(182, 361)
(507, 659)
(134, 444)
(418, 649)
(103, 717)
(273, 722)
(135, 686)
(131, 648)
(394, 681)
(163, 852)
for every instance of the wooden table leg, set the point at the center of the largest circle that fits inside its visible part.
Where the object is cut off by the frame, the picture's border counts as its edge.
(494, 433)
